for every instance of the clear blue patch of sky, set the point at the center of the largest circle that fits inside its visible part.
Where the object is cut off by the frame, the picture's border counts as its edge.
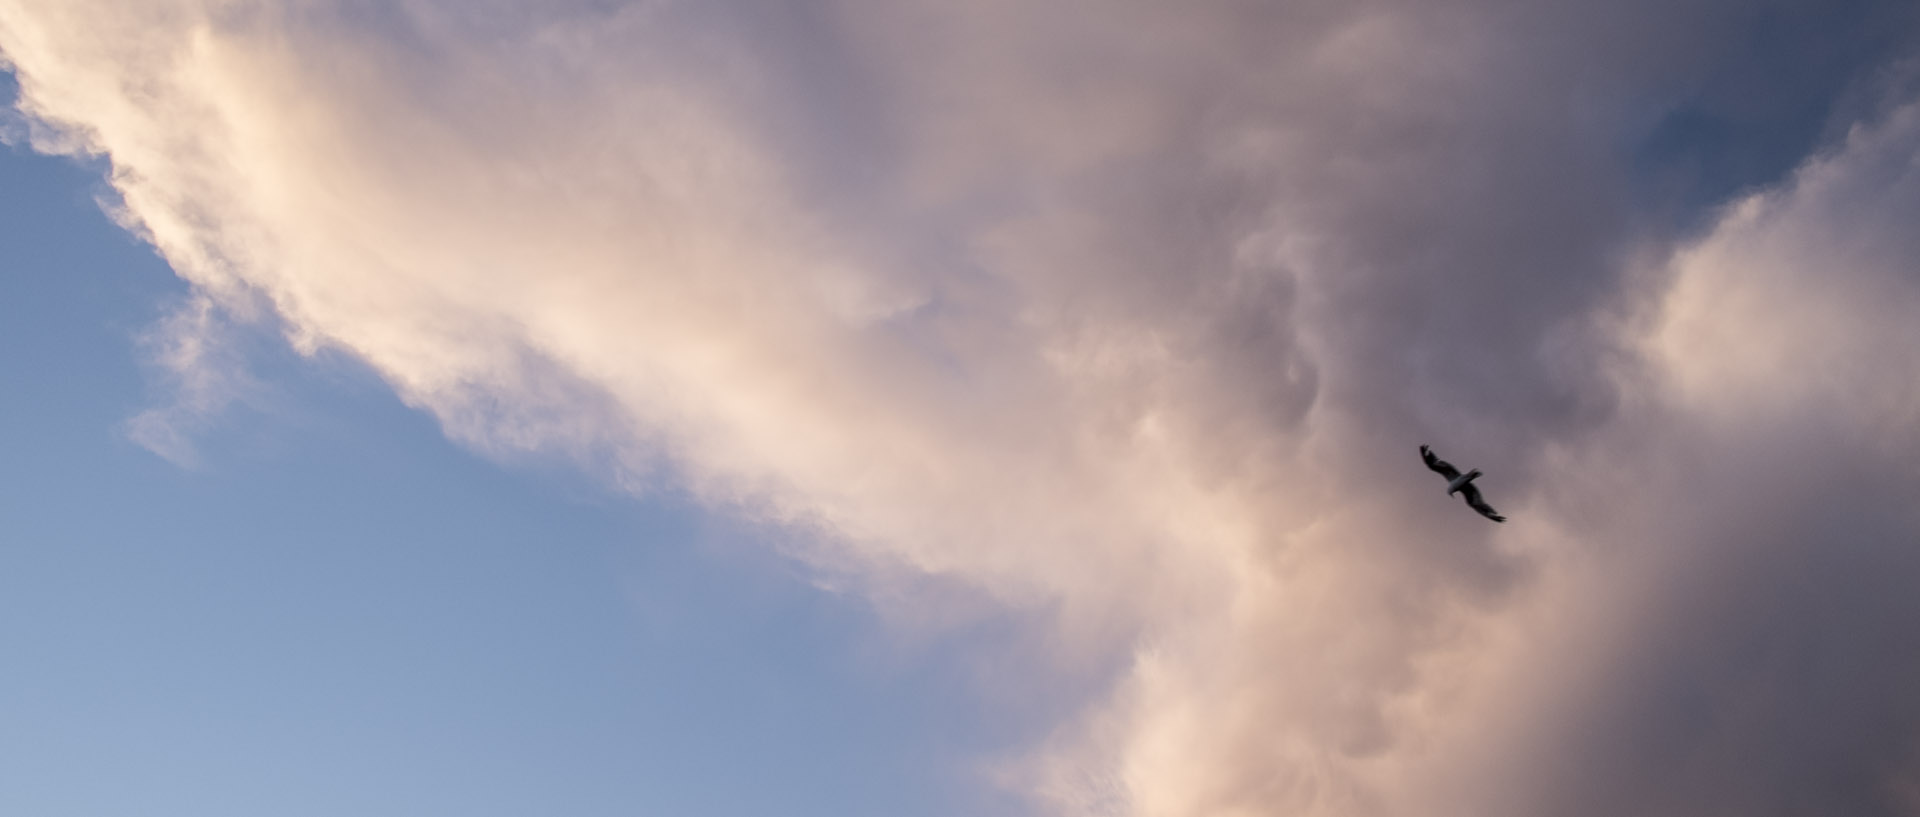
(1793, 79)
(343, 613)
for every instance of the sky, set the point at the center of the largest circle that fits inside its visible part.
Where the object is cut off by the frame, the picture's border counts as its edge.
(336, 610)
(910, 407)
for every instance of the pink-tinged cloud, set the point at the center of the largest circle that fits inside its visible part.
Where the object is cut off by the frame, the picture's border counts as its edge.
(1129, 316)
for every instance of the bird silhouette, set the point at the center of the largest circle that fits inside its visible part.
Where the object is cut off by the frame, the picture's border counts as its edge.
(1463, 483)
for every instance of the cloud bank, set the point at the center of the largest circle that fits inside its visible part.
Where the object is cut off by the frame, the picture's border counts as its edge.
(1129, 316)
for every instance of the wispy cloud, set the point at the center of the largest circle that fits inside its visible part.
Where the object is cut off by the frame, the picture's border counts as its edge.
(1130, 316)
(201, 375)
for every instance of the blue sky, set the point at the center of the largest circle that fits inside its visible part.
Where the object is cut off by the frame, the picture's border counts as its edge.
(341, 611)
(908, 407)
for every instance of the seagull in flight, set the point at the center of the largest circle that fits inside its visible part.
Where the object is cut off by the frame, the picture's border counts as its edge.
(1463, 483)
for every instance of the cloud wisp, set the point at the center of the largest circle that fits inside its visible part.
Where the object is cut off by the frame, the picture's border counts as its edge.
(1129, 316)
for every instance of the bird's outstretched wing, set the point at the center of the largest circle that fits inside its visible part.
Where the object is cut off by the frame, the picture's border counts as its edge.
(1440, 466)
(1475, 502)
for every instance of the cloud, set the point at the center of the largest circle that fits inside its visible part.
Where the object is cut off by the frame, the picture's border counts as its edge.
(1128, 316)
(202, 375)
(1764, 676)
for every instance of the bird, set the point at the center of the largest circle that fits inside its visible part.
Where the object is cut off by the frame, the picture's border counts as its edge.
(1463, 483)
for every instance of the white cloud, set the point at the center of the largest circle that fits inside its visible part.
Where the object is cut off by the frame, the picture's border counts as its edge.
(1126, 314)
